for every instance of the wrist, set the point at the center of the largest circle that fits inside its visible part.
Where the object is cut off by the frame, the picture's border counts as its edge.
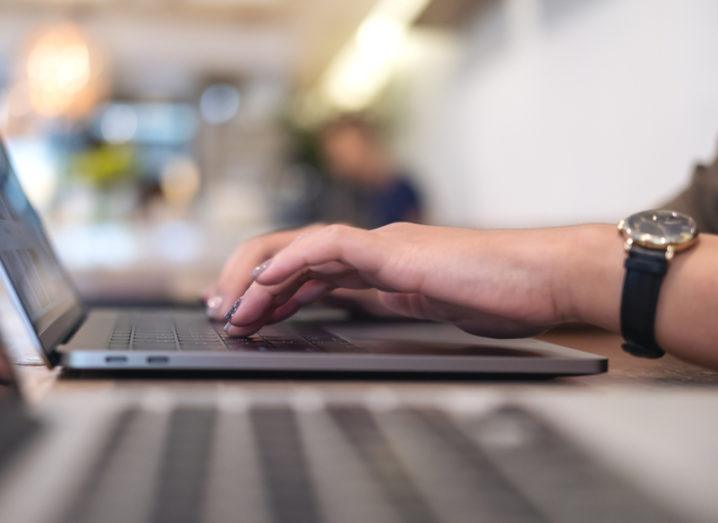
(589, 276)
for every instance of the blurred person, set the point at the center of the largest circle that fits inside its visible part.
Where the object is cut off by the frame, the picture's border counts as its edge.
(700, 198)
(501, 283)
(366, 187)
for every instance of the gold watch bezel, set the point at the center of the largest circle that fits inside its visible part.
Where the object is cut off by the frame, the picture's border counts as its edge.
(646, 240)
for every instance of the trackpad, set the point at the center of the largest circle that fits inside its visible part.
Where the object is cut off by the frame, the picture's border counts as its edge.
(427, 339)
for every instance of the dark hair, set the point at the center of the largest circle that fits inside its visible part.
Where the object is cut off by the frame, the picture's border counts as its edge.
(350, 121)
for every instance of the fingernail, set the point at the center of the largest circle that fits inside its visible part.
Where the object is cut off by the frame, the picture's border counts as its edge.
(259, 269)
(214, 303)
(232, 330)
(232, 310)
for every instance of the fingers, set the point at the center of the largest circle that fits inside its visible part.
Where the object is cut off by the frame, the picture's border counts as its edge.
(208, 292)
(234, 280)
(335, 256)
(338, 256)
(348, 246)
(236, 275)
(282, 306)
(260, 300)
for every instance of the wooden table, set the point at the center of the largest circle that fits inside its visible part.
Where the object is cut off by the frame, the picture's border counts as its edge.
(624, 370)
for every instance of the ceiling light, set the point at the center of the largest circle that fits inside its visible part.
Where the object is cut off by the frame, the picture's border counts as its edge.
(365, 64)
(63, 72)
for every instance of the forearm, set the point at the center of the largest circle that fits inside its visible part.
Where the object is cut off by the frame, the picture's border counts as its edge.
(590, 280)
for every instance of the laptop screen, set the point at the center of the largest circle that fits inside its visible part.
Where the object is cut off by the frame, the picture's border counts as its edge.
(44, 292)
(8, 383)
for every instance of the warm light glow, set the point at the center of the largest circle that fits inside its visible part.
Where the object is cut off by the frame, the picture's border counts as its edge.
(379, 35)
(365, 65)
(63, 72)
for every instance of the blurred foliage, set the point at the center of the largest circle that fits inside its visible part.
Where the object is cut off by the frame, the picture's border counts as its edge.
(104, 165)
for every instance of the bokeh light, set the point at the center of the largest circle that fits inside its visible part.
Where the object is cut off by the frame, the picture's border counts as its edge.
(63, 71)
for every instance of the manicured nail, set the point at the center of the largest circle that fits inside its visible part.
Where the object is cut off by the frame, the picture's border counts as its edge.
(232, 310)
(259, 269)
(214, 303)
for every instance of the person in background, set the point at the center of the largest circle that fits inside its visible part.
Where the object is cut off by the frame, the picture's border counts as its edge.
(700, 198)
(366, 187)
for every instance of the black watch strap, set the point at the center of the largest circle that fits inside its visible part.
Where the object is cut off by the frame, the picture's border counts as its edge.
(645, 269)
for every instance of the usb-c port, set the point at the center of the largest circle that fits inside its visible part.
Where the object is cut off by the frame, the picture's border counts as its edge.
(157, 359)
(115, 359)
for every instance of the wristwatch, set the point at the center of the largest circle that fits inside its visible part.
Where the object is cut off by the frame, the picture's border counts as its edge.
(651, 238)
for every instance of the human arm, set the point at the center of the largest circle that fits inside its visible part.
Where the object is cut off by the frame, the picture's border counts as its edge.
(496, 283)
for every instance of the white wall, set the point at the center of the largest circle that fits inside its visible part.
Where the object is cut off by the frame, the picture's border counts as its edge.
(558, 111)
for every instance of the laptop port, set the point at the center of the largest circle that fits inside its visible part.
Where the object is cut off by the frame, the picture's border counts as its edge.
(157, 359)
(115, 359)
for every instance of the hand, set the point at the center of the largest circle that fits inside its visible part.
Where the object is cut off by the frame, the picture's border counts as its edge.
(497, 283)
(236, 274)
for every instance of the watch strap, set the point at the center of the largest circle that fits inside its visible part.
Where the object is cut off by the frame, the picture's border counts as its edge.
(645, 269)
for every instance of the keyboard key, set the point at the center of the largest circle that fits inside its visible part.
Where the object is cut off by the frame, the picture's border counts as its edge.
(189, 331)
(290, 490)
(180, 491)
(559, 477)
(495, 498)
(360, 428)
(89, 499)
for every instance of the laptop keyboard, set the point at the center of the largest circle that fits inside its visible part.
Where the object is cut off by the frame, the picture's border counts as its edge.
(348, 462)
(291, 493)
(191, 331)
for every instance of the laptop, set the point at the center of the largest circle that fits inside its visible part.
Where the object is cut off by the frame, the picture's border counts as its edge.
(66, 332)
(375, 454)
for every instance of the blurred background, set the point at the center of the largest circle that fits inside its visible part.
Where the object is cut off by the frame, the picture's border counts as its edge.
(154, 135)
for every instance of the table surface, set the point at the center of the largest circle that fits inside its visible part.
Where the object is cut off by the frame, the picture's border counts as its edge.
(624, 370)
(615, 414)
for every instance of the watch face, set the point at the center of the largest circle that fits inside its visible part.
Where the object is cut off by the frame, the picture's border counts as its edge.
(659, 229)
